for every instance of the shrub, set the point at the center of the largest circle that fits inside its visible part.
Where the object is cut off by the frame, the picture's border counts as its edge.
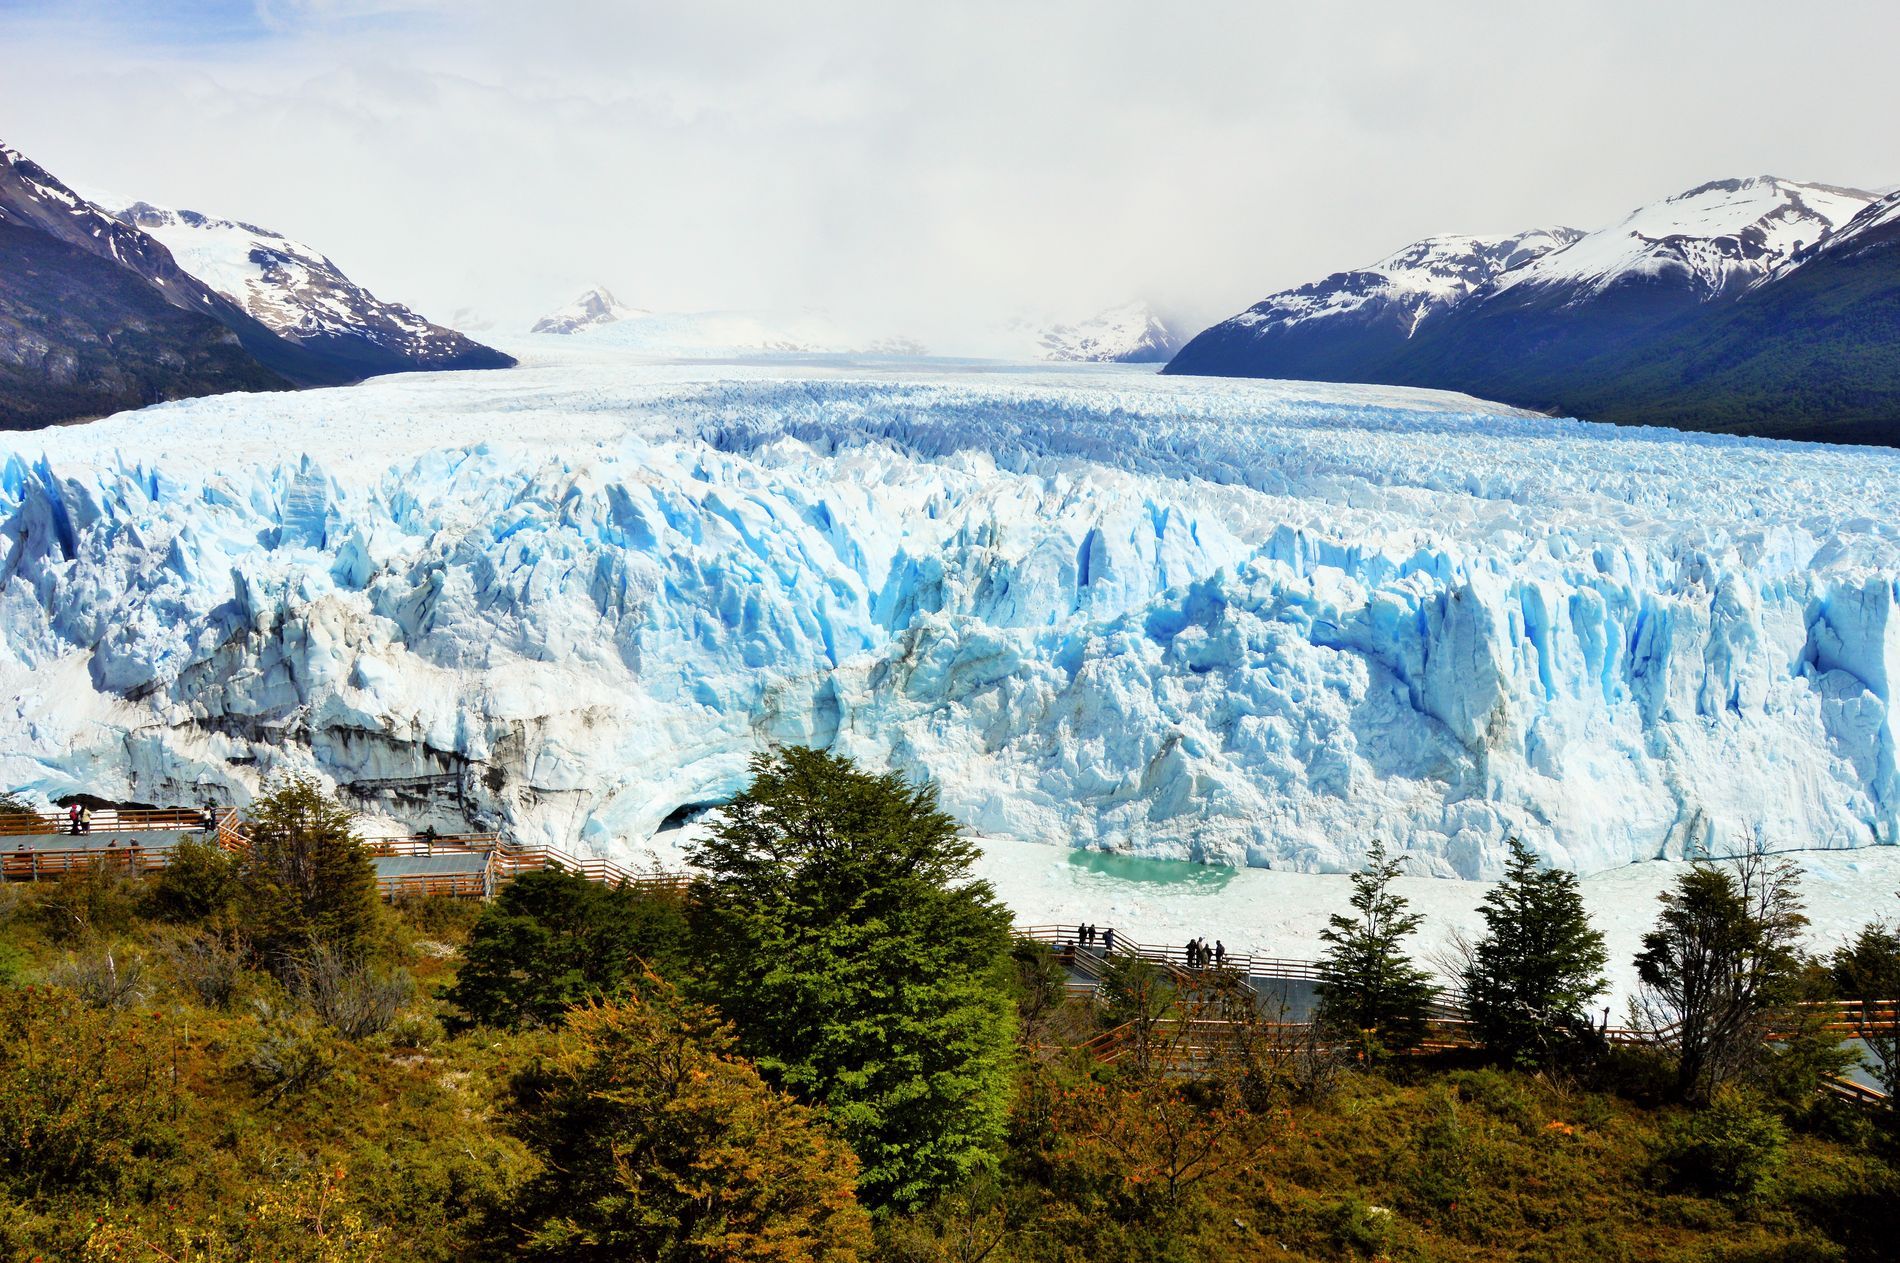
(198, 884)
(84, 1093)
(208, 968)
(554, 939)
(354, 999)
(659, 1143)
(439, 917)
(102, 980)
(1360, 1228)
(91, 900)
(1731, 1148)
(289, 1056)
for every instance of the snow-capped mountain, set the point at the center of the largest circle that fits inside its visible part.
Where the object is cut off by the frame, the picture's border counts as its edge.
(592, 309)
(97, 313)
(1129, 334)
(1404, 290)
(1562, 324)
(1715, 240)
(1241, 621)
(96, 316)
(1874, 225)
(302, 296)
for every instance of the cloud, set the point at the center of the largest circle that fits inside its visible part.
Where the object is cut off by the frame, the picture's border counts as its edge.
(925, 166)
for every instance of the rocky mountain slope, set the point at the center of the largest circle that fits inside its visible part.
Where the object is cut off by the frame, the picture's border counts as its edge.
(1605, 324)
(98, 315)
(1328, 330)
(304, 298)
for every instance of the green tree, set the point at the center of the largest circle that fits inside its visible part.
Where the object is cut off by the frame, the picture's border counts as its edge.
(1866, 972)
(659, 1143)
(1721, 957)
(553, 939)
(198, 884)
(864, 967)
(1368, 986)
(1538, 965)
(305, 879)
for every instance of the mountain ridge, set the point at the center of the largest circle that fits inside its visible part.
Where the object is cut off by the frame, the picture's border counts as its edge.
(1615, 325)
(98, 315)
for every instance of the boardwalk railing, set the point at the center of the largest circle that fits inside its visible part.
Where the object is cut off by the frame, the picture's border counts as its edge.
(42, 863)
(508, 860)
(116, 820)
(1247, 964)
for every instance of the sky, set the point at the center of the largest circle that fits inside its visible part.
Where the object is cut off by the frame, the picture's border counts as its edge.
(926, 169)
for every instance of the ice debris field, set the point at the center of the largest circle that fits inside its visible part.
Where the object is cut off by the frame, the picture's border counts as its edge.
(1256, 623)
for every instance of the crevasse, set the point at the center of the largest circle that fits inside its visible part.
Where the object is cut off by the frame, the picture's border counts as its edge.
(1251, 623)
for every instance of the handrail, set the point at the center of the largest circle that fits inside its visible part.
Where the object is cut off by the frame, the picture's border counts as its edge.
(111, 820)
(1246, 964)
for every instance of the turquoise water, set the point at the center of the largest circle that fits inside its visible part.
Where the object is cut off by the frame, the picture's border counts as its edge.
(1140, 871)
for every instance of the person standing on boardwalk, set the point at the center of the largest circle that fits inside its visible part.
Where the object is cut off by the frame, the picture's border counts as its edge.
(1220, 953)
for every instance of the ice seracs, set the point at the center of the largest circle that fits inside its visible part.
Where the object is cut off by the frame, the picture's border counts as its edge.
(1250, 622)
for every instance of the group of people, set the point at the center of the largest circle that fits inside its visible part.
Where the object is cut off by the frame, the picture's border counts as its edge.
(79, 818)
(1200, 955)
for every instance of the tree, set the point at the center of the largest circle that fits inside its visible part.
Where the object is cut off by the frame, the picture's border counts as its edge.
(198, 883)
(1367, 984)
(1722, 955)
(305, 879)
(553, 939)
(864, 967)
(1866, 972)
(1538, 965)
(659, 1143)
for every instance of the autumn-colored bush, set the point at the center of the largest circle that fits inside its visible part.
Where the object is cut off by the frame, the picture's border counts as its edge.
(660, 1143)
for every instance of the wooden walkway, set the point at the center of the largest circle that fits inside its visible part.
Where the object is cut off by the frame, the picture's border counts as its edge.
(477, 865)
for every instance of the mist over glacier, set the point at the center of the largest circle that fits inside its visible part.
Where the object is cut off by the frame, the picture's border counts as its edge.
(1247, 622)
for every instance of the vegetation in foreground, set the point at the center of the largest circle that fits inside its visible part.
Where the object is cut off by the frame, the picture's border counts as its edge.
(832, 1051)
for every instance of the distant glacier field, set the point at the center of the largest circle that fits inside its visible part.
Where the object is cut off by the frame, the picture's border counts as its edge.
(1252, 623)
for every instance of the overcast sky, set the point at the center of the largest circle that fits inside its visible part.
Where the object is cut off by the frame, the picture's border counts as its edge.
(925, 165)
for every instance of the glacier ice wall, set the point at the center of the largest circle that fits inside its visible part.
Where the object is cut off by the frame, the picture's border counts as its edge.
(1244, 622)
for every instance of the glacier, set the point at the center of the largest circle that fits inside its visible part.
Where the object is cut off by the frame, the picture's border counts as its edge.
(1242, 622)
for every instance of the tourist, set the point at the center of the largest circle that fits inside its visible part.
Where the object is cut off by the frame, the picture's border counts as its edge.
(85, 820)
(1108, 941)
(72, 816)
(1220, 953)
